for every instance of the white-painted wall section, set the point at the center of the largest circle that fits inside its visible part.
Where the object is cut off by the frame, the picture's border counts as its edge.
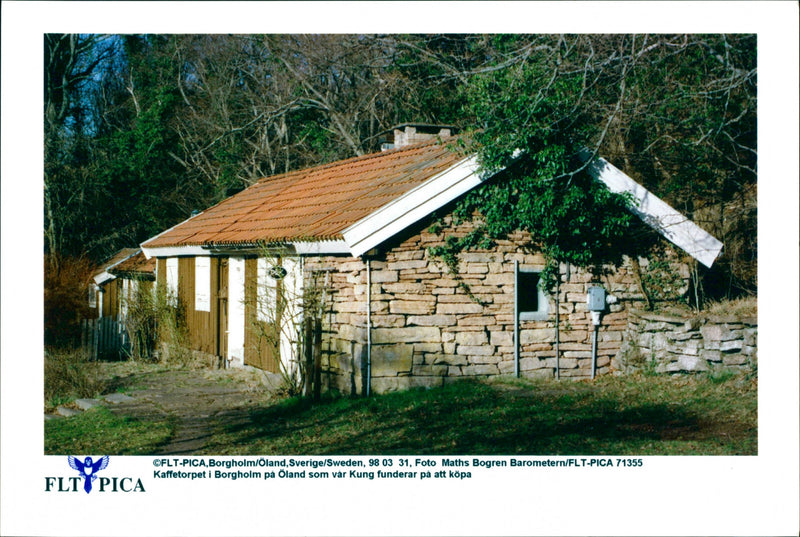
(172, 280)
(202, 283)
(236, 319)
(293, 291)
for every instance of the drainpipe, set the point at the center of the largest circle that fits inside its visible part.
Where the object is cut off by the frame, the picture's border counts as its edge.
(558, 316)
(369, 329)
(516, 318)
(596, 323)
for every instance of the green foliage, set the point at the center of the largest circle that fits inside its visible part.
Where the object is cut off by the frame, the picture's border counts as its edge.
(661, 281)
(571, 218)
(649, 103)
(448, 254)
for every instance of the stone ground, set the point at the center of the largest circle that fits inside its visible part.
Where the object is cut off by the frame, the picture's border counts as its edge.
(198, 401)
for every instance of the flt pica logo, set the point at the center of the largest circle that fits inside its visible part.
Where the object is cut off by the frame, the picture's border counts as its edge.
(87, 475)
(88, 469)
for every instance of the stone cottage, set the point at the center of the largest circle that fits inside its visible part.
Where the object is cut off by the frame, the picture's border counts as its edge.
(392, 316)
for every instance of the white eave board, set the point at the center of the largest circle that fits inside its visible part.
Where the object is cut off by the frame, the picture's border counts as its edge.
(321, 247)
(659, 215)
(416, 204)
(105, 276)
(150, 252)
(173, 251)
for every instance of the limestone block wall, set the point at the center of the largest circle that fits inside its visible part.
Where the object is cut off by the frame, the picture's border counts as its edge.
(427, 329)
(674, 344)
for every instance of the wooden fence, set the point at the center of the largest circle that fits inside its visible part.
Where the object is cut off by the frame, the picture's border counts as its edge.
(104, 338)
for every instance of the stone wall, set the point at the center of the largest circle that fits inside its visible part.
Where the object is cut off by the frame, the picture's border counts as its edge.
(673, 344)
(427, 329)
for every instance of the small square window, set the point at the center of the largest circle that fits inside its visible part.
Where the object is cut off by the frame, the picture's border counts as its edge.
(531, 299)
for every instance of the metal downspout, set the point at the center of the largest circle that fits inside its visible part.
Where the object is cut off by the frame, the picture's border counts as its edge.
(594, 350)
(516, 318)
(558, 316)
(369, 328)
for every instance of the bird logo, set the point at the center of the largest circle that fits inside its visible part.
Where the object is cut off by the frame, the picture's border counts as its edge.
(88, 469)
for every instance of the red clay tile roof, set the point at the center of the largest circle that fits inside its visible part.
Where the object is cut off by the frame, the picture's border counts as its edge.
(312, 204)
(136, 265)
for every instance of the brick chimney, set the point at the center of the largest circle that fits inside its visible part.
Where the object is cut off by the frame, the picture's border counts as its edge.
(414, 133)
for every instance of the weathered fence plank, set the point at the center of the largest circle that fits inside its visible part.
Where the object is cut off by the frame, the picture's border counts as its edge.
(103, 338)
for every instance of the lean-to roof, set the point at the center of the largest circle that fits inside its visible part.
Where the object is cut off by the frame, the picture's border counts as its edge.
(135, 265)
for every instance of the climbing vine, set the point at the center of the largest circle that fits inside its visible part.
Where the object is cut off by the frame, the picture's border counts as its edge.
(448, 252)
(571, 218)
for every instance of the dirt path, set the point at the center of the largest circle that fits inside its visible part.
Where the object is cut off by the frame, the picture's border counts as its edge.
(198, 402)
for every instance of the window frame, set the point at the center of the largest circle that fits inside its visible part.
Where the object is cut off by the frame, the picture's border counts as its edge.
(542, 300)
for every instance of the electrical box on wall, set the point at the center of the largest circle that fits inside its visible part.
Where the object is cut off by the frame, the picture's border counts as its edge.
(596, 299)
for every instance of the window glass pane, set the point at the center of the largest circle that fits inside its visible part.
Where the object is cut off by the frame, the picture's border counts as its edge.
(528, 291)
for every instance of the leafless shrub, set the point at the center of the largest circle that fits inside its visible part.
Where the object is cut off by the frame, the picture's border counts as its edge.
(70, 374)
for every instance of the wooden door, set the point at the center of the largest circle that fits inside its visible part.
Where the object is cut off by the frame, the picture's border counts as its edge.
(222, 308)
(262, 337)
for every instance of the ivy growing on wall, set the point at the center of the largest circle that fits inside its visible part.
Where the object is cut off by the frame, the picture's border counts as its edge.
(571, 217)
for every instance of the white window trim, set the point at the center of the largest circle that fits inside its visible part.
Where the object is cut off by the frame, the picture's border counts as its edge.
(542, 313)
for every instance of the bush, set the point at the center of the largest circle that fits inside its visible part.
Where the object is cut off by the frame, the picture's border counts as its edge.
(68, 374)
(156, 326)
(141, 322)
(66, 298)
(172, 334)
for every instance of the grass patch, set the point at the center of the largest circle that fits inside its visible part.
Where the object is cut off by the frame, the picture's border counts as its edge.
(99, 431)
(632, 415)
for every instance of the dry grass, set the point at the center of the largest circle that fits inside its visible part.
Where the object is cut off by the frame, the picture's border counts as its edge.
(69, 375)
(740, 307)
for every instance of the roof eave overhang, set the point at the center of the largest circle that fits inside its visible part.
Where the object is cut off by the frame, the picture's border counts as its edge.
(416, 204)
(106, 275)
(173, 251)
(658, 214)
(103, 277)
(308, 247)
